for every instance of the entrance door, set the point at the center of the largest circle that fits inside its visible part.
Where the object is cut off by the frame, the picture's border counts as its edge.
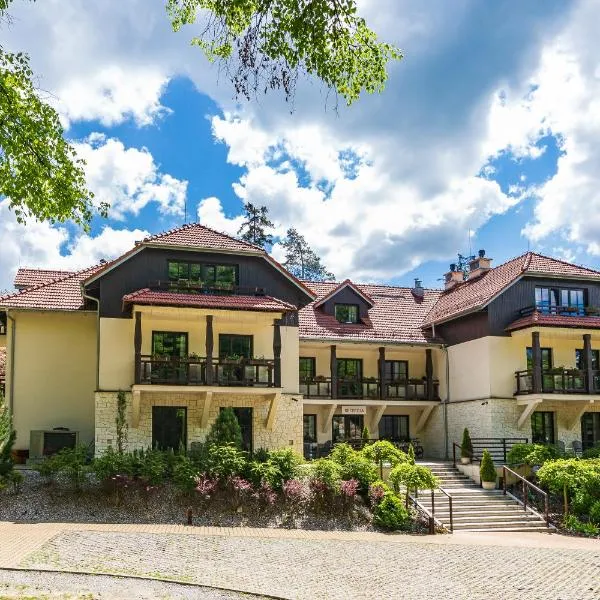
(349, 372)
(244, 417)
(590, 430)
(169, 427)
(346, 427)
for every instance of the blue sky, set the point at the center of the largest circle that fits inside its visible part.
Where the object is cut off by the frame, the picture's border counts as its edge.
(486, 136)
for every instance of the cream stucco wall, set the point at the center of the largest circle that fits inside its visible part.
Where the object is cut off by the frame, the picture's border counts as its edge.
(54, 373)
(470, 370)
(116, 354)
(285, 431)
(2, 341)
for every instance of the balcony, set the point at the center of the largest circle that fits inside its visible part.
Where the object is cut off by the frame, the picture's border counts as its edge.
(558, 381)
(161, 370)
(368, 388)
(184, 286)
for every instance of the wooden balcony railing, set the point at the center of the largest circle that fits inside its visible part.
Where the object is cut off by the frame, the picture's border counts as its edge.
(367, 388)
(166, 370)
(559, 381)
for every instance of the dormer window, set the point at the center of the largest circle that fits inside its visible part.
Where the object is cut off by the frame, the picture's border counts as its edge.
(346, 313)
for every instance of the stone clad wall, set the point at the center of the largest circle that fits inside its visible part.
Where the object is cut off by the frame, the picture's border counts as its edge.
(286, 431)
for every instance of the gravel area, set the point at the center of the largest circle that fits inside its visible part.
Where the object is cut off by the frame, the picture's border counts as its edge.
(332, 569)
(39, 502)
(28, 585)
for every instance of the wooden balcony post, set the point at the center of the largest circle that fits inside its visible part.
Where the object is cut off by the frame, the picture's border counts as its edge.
(333, 368)
(536, 354)
(277, 352)
(382, 385)
(209, 349)
(429, 372)
(588, 363)
(137, 347)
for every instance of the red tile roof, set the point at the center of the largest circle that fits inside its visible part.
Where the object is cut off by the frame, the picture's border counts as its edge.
(62, 293)
(535, 319)
(253, 303)
(194, 235)
(30, 277)
(474, 294)
(341, 286)
(396, 316)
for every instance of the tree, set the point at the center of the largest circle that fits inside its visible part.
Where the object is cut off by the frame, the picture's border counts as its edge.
(225, 430)
(253, 228)
(39, 170)
(267, 44)
(301, 260)
(7, 439)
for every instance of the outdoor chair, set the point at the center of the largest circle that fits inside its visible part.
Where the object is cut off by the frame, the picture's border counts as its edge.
(577, 448)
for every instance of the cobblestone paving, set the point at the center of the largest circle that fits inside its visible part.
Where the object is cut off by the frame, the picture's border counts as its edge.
(333, 569)
(65, 586)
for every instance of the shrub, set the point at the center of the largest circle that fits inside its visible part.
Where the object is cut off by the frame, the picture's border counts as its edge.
(411, 454)
(349, 489)
(592, 453)
(412, 477)
(342, 453)
(377, 491)
(151, 466)
(48, 468)
(14, 479)
(294, 491)
(110, 464)
(595, 512)
(390, 513)
(260, 455)
(72, 462)
(354, 465)
(531, 454)
(266, 495)
(383, 451)
(7, 439)
(184, 474)
(572, 523)
(205, 485)
(569, 477)
(328, 472)
(466, 447)
(240, 489)
(366, 435)
(225, 430)
(225, 461)
(286, 463)
(487, 470)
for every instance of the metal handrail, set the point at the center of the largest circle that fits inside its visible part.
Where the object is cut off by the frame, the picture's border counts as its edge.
(455, 445)
(449, 507)
(526, 484)
(429, 514)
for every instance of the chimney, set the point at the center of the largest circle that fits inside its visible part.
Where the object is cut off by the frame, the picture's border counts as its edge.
(479, 265)
(418, 291)
(453, 277)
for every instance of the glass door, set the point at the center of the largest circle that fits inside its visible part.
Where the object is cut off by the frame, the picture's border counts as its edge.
(169, 428)
(349, 372)
(590, 430)
(346, 428)
(169, 351)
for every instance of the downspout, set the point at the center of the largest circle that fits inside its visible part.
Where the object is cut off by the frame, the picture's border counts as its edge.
(97, 334)
(13, 331)
(446, 441)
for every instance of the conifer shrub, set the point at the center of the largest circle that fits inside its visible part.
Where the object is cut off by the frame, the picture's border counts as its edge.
(487, 470)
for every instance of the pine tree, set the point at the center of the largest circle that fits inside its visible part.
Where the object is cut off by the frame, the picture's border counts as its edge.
(225, 430)
(301, 260)
(253, 228)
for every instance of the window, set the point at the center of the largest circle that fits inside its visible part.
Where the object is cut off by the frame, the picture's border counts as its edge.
(346, 427)
(542, 428)
(349, 372)
(181, 274)
(307, 368)
(590, 429)
(546, 358)
(235, 345)
(560, 301)
(394, 427)
(580, 363)
(346, 313)
(396, 371)
(310, 428)
(170, 343)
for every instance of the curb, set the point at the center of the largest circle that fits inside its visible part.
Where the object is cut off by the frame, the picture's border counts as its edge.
(177, 582)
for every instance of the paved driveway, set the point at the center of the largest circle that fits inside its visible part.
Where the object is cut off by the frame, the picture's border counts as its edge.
(332, 566)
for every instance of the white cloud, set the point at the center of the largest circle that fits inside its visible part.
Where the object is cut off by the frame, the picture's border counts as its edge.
(44, 246)
(210, 213)
(128, 178)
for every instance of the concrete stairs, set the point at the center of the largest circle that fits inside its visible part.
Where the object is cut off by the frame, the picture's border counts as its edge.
(476, 509)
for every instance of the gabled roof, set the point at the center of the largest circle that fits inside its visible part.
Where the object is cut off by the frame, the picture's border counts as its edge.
(475, 294)
(252, 303)
(395, 316)
(536, 319)
(62, 293)
(194, 236)
(345, 284)
(30, 277)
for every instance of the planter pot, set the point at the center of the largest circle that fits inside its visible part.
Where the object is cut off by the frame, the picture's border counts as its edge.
(488, 485)
(465, 460)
